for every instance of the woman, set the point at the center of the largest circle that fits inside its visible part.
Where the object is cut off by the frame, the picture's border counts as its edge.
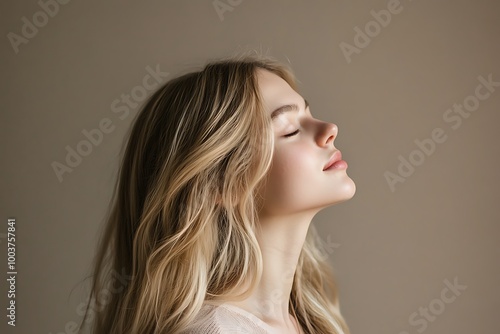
(223, 171)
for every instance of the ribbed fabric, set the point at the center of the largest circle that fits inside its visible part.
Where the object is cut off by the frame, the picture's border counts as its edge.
(227, 319)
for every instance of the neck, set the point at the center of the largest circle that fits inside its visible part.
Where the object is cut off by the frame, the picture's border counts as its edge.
(281, 240)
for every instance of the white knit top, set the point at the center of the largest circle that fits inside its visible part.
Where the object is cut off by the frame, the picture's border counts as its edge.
(227, 319)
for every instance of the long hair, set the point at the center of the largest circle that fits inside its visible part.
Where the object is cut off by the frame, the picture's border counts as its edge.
(181, 230)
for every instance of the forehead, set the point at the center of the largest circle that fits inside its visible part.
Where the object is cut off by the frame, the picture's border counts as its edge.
(275, 91)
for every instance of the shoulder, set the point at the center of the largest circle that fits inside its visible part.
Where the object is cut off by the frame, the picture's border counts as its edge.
(225, 319)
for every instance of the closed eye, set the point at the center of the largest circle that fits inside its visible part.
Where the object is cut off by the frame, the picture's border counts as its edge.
(292, 134)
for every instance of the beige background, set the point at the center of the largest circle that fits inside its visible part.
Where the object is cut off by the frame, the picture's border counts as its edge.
(392, 250)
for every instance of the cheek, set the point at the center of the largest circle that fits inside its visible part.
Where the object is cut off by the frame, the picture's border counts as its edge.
(290, 177)
(292, 163)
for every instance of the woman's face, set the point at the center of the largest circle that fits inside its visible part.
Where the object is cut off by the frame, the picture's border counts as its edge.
(303, 147)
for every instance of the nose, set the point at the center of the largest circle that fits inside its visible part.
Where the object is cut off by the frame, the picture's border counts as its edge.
(327, 134)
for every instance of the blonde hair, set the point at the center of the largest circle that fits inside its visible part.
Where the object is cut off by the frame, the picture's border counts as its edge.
(184, 213)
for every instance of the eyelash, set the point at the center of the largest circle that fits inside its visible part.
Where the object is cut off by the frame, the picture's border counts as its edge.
(292, 134)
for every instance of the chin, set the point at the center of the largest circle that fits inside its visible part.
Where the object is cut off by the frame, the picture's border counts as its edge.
(344, 193)
(350, 189)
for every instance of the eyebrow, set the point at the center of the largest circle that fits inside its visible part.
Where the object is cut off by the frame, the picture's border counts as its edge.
(287, 108)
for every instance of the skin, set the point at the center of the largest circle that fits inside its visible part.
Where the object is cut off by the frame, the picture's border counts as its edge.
(297, 188)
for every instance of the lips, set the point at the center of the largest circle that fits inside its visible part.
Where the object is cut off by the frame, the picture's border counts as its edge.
(335, 157)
